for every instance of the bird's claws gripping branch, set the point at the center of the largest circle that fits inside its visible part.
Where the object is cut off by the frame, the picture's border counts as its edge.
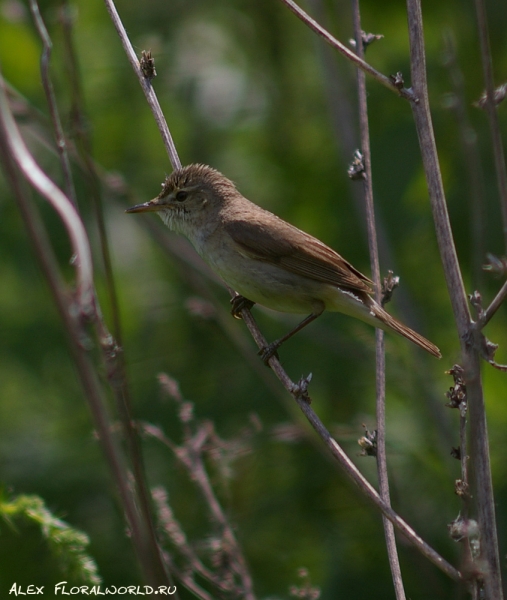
(238, 303)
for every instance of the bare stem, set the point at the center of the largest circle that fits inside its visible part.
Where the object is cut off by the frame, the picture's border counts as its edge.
(237, 561)
(379, 334)
(63, 206)
(298, 392)
(191, 456)
(187, 579)
(352, 56)
(176, 534)
(148, 90)
(61, 144)
(479, 436)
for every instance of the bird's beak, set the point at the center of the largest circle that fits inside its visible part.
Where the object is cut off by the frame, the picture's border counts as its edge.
(151, 206)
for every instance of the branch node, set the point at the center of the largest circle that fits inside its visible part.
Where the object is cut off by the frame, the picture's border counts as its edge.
(487, 350)
(147, 65)
(462, 528)
(397, 80)
(499, 96)
(368, 442)
(356, 168)
(457, 395)
(462, 489)
(456, 452)
(390, 283)
(300, 389)
(485, 347)
(476, 302)
(366, 39)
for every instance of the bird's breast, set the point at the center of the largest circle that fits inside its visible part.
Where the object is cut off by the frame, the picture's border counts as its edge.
(262, 282)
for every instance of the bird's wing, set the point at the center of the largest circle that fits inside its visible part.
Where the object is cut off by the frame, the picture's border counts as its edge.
(273, 240)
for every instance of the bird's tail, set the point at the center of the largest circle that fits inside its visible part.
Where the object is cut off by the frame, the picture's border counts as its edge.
(390, 323)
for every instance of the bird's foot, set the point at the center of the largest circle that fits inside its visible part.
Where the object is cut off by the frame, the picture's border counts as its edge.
(268, 351)
(238, 303)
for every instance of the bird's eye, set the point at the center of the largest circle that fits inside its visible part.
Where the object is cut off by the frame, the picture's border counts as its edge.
(181, 195)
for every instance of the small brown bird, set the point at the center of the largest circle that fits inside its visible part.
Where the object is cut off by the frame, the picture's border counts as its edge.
(265, 259)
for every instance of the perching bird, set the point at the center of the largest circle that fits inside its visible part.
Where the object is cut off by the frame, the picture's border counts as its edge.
(265, 259)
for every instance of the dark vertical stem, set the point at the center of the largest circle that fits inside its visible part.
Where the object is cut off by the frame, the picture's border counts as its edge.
(47, 83)
(483, 491)
(375, 268)
(112, 349)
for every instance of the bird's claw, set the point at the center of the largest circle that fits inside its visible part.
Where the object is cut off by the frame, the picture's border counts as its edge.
(238, 303)
(267, 352)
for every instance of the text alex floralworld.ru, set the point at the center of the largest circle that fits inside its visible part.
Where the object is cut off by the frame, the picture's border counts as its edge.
(96, 590)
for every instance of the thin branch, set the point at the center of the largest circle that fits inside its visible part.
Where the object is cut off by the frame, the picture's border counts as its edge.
(61, 143)
(175, 533)
(191, 455)
(349, 54)
(493, 307)
(63, 206)
(479, 435)
(238, 564)
(148, 90)
(380, 372)
(299, 393)
(494, 125)
(186, 579)
(195, 272)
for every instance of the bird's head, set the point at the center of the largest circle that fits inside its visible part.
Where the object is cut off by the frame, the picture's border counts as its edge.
(188, 196)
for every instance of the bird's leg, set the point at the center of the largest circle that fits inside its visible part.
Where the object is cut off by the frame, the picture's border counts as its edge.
(238, 303)
(270, 350)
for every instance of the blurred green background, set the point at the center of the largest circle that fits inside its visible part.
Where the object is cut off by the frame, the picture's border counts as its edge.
(248, 89)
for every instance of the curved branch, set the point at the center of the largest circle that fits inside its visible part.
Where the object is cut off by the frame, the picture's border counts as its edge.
(58, 200)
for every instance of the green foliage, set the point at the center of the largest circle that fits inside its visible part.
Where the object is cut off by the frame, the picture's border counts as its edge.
(66, 544)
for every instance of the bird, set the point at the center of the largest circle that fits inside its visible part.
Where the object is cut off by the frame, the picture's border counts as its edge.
(264, 259)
